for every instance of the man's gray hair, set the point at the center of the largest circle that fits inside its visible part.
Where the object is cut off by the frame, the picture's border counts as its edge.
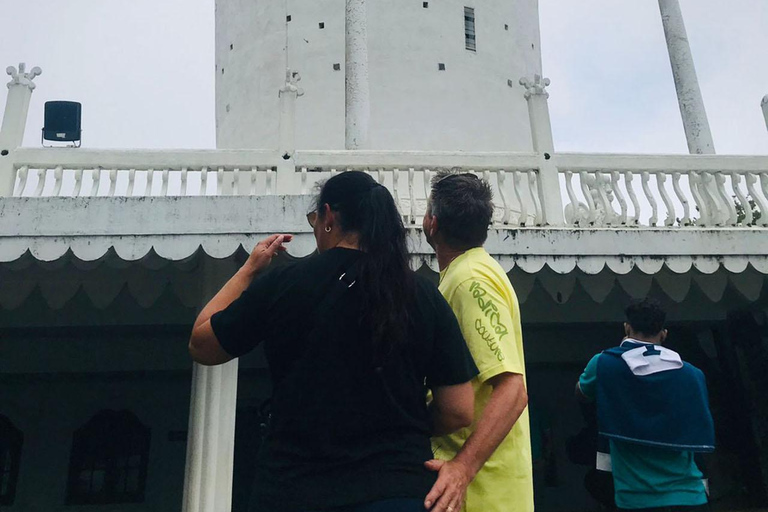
(463, 205)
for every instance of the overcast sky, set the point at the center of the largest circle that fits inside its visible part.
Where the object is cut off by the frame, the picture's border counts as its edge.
(145, 71)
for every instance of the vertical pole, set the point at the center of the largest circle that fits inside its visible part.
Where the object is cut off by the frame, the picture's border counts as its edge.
(14, 122)
(211, 434)
(543, 143)
(692, 109)
(764, 104)
(286, 168)
(357, 86)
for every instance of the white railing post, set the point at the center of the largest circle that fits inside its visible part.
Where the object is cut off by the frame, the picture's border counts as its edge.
(764, 104)
(357, 88)
(286, 167)
(543, 144)
(695, 121)
(14, 122)
(211, 433)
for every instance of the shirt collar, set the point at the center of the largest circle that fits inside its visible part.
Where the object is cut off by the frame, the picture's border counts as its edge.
(633, 340)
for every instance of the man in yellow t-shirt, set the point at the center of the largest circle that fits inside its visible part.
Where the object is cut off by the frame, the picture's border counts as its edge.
(489, 462)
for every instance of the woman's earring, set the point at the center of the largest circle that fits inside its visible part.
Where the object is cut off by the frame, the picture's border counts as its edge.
(327, 229)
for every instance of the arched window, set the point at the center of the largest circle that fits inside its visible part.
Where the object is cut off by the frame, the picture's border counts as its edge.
(11, 440)
(108, 463)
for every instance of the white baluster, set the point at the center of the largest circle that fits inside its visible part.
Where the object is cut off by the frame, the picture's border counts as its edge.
(743, 201)
(112, 182)
(651, 200)
(575, 204)
(533, 187)
(303, 181)
(270, 181)
(164, 182)
(254, 175)
(694, 179)
(711, 198)
(184, 180)
(204, 181)
(95, 180)
(150, 182)
(661, 179)
(764, 186)
(77, 190)
(758, 199)
(628, 178)
(58, 179)
(609, 213)
(42, 175)
(729, 216)
(235, 182)
(131, 182)
(686, 220)
(395, 187)
(380, 176)
(23, 177)
(502, 178)
(523, 217)
(411, 195)
(584, 179)
(615, 177)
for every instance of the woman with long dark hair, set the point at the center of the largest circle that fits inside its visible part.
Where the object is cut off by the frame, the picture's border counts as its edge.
(354, 340)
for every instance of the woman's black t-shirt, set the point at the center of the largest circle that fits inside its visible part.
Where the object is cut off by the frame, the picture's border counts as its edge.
(343, 431)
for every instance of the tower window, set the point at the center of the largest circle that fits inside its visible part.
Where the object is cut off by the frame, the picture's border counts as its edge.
(441, 66)
(425, 5)
(506, 26)
(11, 440)
(108, 463)
(469, 29)
(337, 67)
(288, 18)
(322, 24)
(232, 47)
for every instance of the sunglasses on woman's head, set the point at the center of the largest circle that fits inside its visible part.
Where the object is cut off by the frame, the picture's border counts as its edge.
(312, 218)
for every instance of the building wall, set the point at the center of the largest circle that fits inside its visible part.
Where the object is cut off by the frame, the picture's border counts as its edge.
(414, 105)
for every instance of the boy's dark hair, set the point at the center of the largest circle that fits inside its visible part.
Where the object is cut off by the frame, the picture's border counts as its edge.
(463, 204)
(646, 316)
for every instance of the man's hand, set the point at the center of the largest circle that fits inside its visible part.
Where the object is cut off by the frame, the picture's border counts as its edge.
(262, 254)
(448, 493)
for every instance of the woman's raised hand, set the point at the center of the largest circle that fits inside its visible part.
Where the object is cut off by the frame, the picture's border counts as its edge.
(262, 254)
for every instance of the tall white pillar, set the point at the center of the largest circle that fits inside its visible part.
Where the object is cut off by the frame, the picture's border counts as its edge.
(543, 143)
(764, 104)
(211, 433)
(14, 122)
(357, 92)
(695, 122)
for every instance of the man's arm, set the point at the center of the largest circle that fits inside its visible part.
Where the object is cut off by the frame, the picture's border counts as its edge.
(507, 402)
(452, 408)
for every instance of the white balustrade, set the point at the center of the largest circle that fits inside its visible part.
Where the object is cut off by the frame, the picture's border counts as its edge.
(722, 189)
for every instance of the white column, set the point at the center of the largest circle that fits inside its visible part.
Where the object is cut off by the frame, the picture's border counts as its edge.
(286, 168)
(764, 104)
(694, 115)
(211, 434)
(541, 131)
(357, 94)
(14, 122)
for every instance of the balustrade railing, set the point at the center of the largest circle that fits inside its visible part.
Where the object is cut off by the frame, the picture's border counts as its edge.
(74, 173)
(597, 190)
(644, 190)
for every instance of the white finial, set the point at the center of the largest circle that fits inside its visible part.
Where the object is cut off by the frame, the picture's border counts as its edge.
(21, 77)
(536, 86)
(292, 78)
(765, 101)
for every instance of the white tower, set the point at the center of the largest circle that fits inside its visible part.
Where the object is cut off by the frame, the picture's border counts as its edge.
(431, 85)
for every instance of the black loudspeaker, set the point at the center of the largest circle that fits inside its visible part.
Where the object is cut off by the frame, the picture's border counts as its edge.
(62, 121)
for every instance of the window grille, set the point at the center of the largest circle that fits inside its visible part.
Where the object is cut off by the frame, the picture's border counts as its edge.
(469, 29)
(11, 440)
(108, 462)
